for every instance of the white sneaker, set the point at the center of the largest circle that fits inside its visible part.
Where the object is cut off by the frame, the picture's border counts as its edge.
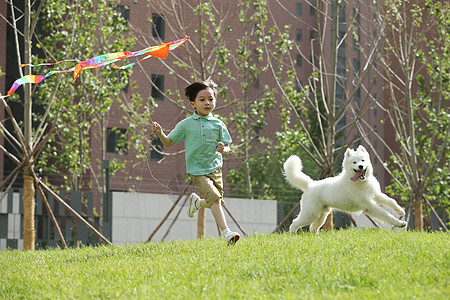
(194, 204)
(232, 237)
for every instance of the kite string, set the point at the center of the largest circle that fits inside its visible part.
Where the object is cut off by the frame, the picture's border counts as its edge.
(170, 191)
(153, 176)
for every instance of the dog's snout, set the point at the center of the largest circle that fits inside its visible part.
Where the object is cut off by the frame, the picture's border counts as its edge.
(360, 167)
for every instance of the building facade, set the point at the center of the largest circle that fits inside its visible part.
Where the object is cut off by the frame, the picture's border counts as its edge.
(151, 22)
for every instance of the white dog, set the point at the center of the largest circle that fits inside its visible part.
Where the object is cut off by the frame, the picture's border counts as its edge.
(354, 189)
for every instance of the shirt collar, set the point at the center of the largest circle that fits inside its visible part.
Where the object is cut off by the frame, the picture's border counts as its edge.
(208, 117)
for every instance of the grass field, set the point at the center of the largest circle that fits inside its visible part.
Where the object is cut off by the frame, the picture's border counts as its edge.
(345, 264)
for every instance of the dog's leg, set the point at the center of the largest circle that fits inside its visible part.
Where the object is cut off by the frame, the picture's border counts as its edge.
(385, 200)
(304, 218)
(379, 213)
(317, 224)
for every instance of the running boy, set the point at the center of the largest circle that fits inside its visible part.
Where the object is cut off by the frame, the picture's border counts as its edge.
(206, 138)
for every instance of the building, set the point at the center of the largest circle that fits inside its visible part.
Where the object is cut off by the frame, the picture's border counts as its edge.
(163, 21)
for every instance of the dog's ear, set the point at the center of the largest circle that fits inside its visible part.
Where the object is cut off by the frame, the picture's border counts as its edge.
(361, 148)
(348, 152)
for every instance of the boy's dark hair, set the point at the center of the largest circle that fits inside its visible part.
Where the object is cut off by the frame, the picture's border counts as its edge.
(192, 90)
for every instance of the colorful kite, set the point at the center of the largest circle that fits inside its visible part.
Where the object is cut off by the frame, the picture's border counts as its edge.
(161, 51)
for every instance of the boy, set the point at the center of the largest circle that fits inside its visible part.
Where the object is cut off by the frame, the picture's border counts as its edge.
(206, 138)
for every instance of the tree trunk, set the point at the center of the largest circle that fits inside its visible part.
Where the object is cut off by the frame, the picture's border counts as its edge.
(28, 185)
(331, 103)
(201, 223)
(248, 178)
(329, 224)
(418, 215)
(29, 233)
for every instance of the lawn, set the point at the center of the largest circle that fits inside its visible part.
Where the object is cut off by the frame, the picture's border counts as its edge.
(344, 264)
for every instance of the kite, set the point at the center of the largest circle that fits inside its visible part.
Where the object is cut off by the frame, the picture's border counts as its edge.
(160, 51)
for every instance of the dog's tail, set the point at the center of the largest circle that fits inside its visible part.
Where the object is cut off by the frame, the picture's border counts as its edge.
(294, 175)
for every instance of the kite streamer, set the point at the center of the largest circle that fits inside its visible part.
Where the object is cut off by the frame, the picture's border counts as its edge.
(161, 51)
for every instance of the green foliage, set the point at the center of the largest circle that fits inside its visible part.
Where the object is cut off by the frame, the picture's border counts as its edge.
(266, 163)
(431, 118)
(260, 175)
(241, 66)
(266, 170)
(78, 30)
(345, 264)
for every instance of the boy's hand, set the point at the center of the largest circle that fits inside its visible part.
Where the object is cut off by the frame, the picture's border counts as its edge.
(156, 128)
(222, 148)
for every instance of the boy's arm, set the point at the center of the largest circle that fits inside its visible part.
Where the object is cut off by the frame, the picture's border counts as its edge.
(156, 128)
(222, 148)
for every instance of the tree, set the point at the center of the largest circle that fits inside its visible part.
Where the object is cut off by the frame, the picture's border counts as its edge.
(249, 111)
(24, 135)
(341, 88)
(81, 110)
(416, 64)
(234, 64)
(90, 22)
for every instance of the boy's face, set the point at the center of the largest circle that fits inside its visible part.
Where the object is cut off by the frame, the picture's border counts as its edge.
(204, 103)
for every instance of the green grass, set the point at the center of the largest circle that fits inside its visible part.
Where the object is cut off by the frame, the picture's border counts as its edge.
(345, 264)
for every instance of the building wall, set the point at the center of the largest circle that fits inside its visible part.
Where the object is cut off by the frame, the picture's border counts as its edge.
(2, 78)
(136, 216)
(155, 176)
(11, 223)
(165, 176)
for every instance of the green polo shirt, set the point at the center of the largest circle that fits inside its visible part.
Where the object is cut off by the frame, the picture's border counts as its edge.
(201, 136)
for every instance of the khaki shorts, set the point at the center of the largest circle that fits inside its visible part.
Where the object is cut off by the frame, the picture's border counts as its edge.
(210, 185)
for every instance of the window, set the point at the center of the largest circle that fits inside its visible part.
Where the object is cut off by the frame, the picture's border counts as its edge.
(121, 78)
(157, 91)
(256, 56)
(299, 9)
(342, 16)
(298, 61)
(158, 26)
(116, 141)
(299, 35)
(125, 88)
(299, 87)
(341, 35)
(124, 13)
(256, 83)
(357, 97)
(341, 63)
(312, 34)
(356, 66)
(157, 147)
(256, 30)
(312, 10)
(339, 92)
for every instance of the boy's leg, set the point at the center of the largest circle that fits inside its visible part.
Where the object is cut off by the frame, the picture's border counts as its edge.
(218, 214)
(230, 236)
(211, 185)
